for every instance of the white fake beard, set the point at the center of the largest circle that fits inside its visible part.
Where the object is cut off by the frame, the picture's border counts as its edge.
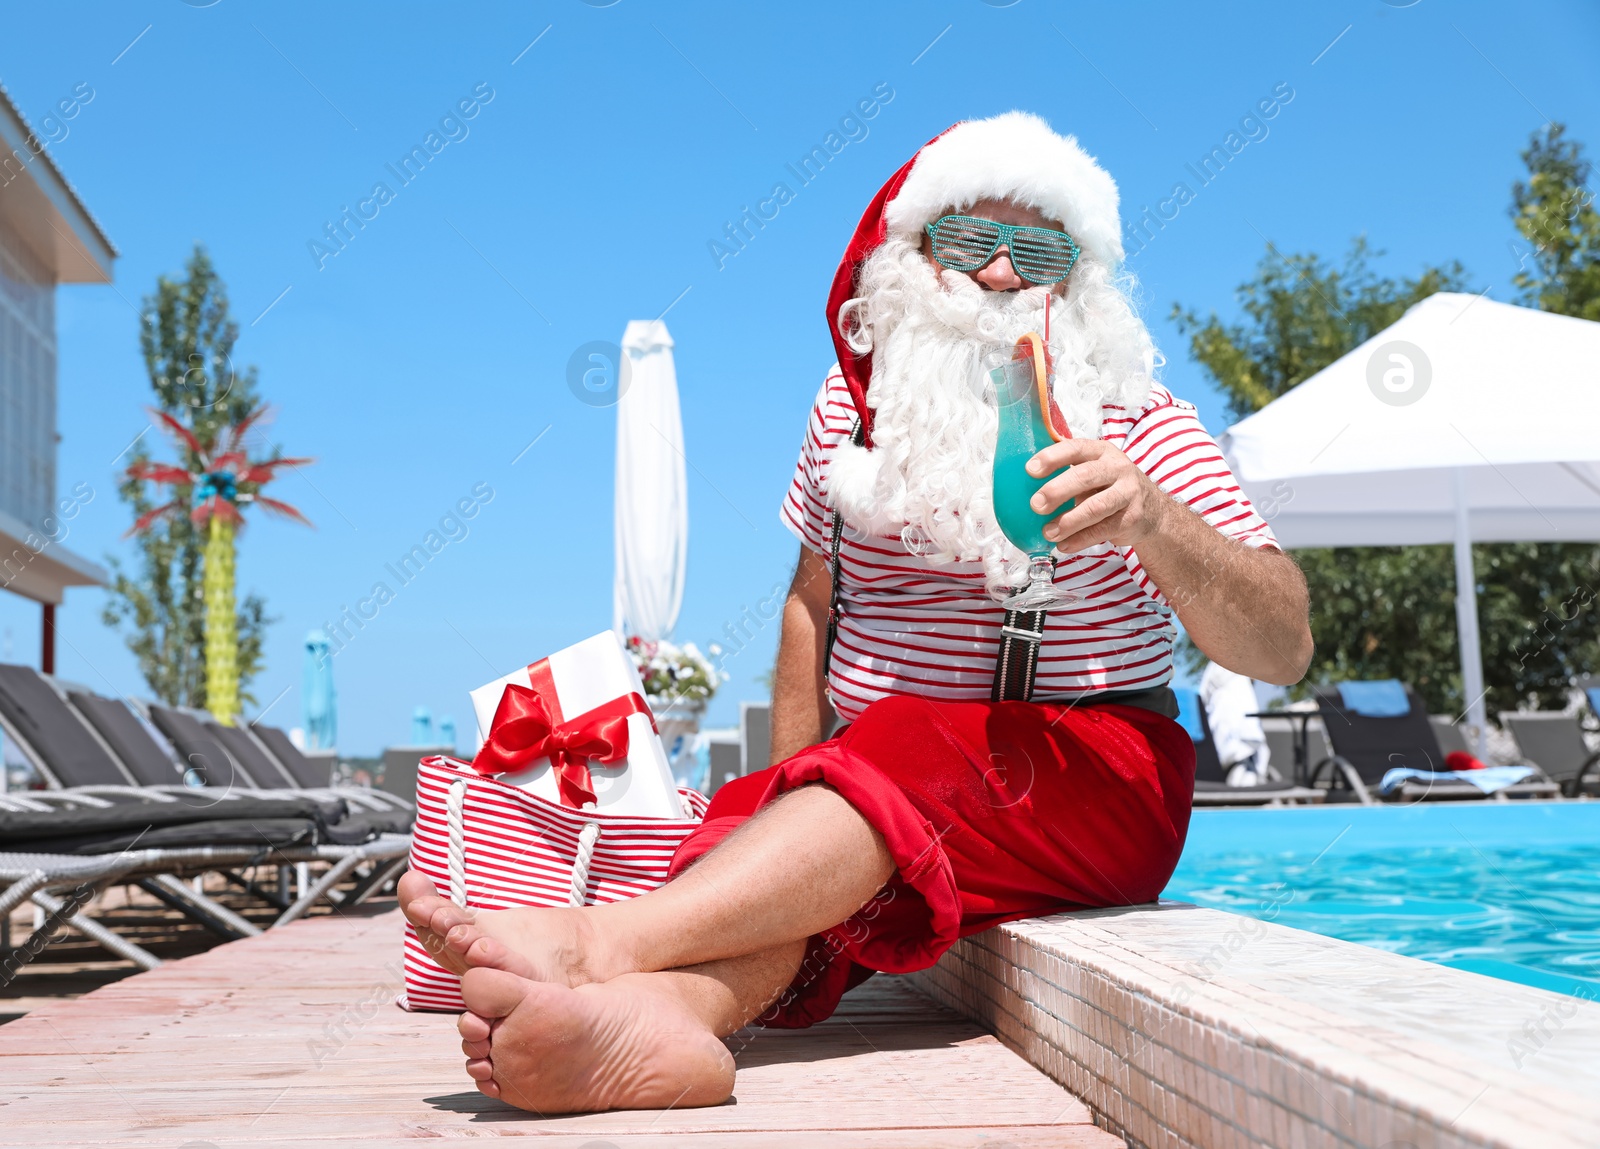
(929, 474)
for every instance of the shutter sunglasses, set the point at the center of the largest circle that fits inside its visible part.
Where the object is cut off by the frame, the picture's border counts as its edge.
(966, 243)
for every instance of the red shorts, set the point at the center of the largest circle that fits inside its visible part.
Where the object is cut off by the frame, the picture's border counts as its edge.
(991, 811)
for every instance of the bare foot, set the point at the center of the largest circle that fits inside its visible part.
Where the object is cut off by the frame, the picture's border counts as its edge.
(432, 917)
(555, 945)
(619, 1044)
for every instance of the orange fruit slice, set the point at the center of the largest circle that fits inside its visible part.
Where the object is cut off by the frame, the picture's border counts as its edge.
(1031, 349)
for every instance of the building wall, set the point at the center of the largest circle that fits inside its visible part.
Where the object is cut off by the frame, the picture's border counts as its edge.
(27, 383)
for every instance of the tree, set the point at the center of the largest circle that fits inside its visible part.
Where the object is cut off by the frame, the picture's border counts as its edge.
(186, 339)
(1389, 612)
(1555, 212)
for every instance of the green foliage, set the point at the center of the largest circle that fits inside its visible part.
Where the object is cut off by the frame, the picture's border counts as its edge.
(1555, 213)
(1386, 612)
(187, 342)
(1389, 612)
(1538, 610)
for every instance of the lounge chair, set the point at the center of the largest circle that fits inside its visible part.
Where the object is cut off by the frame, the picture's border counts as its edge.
(1210, 779)
(241, 743)
(305, 772)
(149, 840)
(135, 746)
(1452, 739)
(123, 826)
(199, 749)
(1376, 727)
(37, 719)
(70, 751)
(153, 844)
(224, 750)
(230, 757)
(386, 813)
(205, 746)
(34, 874)
(1284, 742)
(1555, 742)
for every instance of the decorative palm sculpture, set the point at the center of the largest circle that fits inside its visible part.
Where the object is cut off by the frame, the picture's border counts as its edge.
(219, 480)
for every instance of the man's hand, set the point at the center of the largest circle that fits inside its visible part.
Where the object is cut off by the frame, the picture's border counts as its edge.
(1117, 503)
(1244, 607)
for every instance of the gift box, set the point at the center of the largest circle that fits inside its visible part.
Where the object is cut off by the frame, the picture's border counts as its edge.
(568, 802)
(488, 844)
(574, 729)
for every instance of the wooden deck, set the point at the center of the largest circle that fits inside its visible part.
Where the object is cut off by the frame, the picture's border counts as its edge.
(292, 1038)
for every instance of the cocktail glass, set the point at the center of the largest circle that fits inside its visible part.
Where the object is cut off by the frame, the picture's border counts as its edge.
(1028, 423)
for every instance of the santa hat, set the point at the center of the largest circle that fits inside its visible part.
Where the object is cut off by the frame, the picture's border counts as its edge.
(1013, 156)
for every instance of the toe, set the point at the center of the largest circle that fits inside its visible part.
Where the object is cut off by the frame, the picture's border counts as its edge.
(426, 910)
(445, 916)
(475, 1050)
(480, 1068)
(461, 936)
(492, 993)
(489, 1089)
(414, 884)
(485, 951)
(418, 898)
(471, 1027)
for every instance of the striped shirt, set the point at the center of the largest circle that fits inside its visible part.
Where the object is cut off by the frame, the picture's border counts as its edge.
(910, 626)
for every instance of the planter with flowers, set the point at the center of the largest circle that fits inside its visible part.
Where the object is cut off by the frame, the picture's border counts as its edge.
(678, 682)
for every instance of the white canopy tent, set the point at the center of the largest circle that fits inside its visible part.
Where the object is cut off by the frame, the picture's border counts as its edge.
(1466, 421)
(652, 495)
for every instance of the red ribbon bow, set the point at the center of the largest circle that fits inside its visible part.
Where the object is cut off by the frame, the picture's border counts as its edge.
(528, 727)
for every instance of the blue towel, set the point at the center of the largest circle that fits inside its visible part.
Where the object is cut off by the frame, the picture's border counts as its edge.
(1489, 779)
(1594, 698)
(1189, 712)
(1385, 698)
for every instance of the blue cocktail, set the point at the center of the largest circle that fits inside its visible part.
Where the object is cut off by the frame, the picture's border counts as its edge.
(1021, 382)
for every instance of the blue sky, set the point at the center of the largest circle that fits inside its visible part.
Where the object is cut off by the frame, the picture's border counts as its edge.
(422, 360)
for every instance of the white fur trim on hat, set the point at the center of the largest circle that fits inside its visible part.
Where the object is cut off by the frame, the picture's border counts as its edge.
(1012, 156)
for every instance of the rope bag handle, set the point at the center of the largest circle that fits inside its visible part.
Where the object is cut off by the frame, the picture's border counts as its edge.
(456, 861)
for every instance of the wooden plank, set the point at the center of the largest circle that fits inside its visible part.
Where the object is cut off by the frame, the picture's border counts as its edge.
(293, 1037)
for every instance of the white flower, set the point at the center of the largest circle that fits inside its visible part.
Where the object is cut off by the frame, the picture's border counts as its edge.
(674, 673)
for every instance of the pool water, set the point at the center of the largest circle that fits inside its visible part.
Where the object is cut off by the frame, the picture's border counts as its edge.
(1511, 890)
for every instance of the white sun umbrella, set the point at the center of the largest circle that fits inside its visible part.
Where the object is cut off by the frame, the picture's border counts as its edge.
(652, 497)
(1467, 420)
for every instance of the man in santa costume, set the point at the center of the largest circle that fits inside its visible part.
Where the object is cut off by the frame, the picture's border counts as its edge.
(993, 765)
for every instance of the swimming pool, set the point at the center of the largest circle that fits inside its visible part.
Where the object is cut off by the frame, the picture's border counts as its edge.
(1508, 889)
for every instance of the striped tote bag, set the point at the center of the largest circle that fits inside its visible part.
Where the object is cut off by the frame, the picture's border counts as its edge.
(490, 845)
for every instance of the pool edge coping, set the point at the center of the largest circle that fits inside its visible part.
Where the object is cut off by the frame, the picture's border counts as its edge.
(1281, 1039)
